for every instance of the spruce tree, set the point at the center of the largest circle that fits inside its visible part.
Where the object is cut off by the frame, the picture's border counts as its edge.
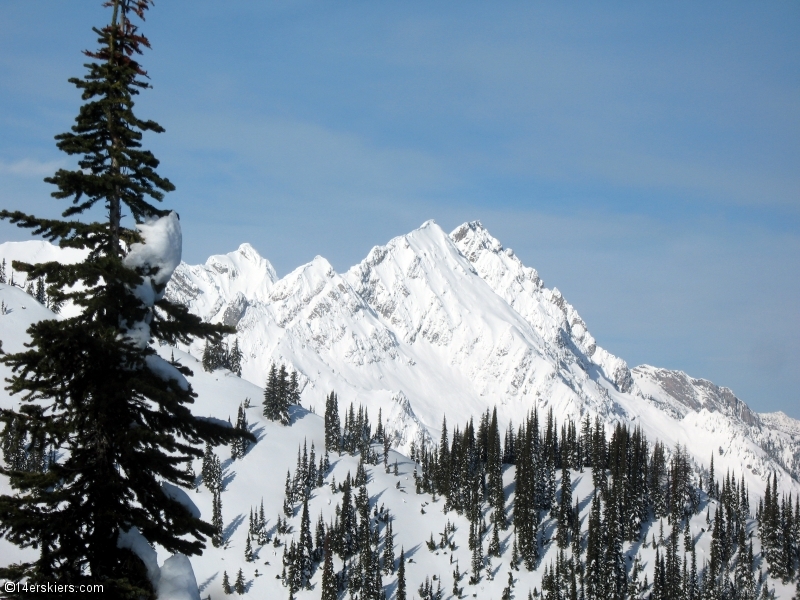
(239, 585)
(293, 390)
(401, 576)
(329, 589)
(494, 466)
(118, 413)
(282, 396)
(305, 548)
(494, 543)
(564, 509)
(332, 425)
(271, 394)
(41, 296)
(248, 550)
(388, 549)
(226, 583)
(208, 358)
(235, 358)
(216, 518)
(477, 560)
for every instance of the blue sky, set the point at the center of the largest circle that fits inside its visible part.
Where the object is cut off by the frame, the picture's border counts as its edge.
(644, 158)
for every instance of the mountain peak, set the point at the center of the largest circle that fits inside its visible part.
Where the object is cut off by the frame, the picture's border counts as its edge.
(250, 253)
(472, 237)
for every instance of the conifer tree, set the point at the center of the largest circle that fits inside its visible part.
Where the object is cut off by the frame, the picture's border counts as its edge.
(235, 358)
(117, 410)
(283, 396)
(564, 520)
(401, 576)
(329, 589)
(477, 560)
(305, 548)
(388, 549)
(332, 424)
(293, 390)
(494, 543)
(494, 466)
(40, 295)
(271, 394)
(239, 586)
(208, 358)
(248, 550)
(226, 584)
(239, 445)
(216, 519)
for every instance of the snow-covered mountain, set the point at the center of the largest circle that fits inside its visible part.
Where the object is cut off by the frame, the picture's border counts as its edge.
(433, 324)
(428, 324)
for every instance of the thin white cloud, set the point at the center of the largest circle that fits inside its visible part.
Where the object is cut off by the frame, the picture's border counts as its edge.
(29, 167)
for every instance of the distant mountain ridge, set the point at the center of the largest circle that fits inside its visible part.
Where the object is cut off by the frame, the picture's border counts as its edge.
(433, 324)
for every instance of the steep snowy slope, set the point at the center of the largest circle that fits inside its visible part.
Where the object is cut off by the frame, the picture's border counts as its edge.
(546, 310)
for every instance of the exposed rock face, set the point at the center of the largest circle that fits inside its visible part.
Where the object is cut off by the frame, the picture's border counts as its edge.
(235, 310)
(689, 394)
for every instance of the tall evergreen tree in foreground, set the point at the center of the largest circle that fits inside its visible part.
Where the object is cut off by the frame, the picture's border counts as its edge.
(92, 386)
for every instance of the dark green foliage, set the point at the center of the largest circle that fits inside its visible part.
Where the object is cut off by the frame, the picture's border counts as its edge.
(24, 451)
(494, 468)
(226, 583)
(564, 521)
(494, 543)
(388, 549)
(357, 432)
(217, 355)
(216, 518)
(235, 358)
(280, 392)
(427, 592)
(329, 591)
(526, 513)
(333, 427)
(122, 426)
(239, 585)
(305, 549)
(401, 576)
(240, 445)
(211, 470)
(248, 550)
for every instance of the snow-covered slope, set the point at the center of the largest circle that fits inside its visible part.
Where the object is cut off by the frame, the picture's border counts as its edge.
(433, 324)
(259, 475)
